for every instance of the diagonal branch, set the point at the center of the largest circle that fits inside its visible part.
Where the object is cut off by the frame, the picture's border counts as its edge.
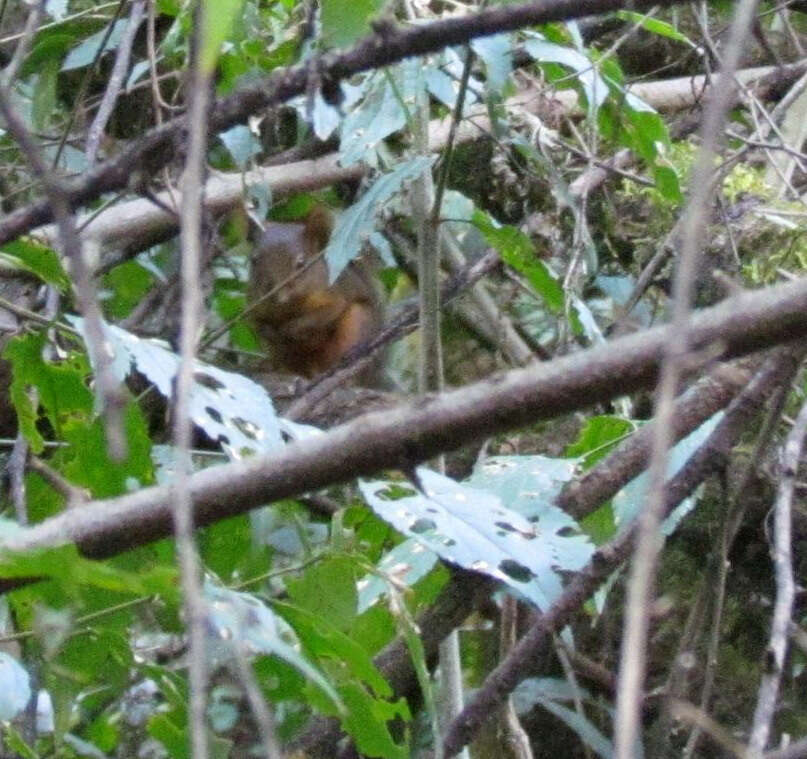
(709, 456)
(419, 430)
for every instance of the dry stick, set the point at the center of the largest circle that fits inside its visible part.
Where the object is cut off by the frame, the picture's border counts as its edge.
(785, 587)
(485, 316)
(191, 244)
(510, 730)
(257, 703)
(796, 750)
(499, 683)
(677, 353)
(431, 377)
(416, 431)
(154, 80)
(571, 678)
(72, 494)
(119, 68)
(686, 712)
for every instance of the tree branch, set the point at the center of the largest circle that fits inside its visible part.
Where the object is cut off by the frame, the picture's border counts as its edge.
(158, 147)
(416, 431)
(500, 683)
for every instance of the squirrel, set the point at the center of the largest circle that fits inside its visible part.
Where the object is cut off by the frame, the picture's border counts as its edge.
(309, 324)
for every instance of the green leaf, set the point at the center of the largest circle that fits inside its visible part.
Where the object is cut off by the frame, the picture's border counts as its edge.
(48, 47)
(547, 692)
(629, 501)
(600, 525)
(61, 387)
(328, 589)
(324, 640)
(344, 21)
(29, 255)
(15, 744)
(85, 53)
(656, 26)
(386, 106)
(231, 550)
(88, 463)
(219, 16)
(72, 573)
(43, 102)
(496, 52)
(517, 251)
(667, 183)
(172, 733)
(598, 437)
(99, 656)
(407, 563)
(367, 722)
(242, 620)
(241, 144)
(355, 224)
(126, 285)
(592, 84)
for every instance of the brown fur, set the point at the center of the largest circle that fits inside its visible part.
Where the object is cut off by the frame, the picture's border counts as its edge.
(308, 324)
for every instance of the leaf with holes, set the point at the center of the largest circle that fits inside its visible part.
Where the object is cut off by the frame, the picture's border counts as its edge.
(471, 527)
(231, 409)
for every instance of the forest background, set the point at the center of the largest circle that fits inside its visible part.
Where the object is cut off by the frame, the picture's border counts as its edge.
(572, 522)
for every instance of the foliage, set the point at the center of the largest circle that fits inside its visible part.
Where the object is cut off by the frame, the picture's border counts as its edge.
(299, 604)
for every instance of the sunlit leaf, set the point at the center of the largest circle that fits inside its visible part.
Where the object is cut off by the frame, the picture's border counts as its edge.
(219, 16)
(15, 687)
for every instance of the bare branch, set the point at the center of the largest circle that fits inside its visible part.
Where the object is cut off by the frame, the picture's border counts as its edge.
(417, 431)
(785, 587)
(499, 683)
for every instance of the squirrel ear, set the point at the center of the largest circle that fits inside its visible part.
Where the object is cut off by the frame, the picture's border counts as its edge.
(318, 226)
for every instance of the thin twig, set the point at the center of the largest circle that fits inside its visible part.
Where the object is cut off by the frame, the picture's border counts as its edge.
(122, 58)
(648, 544)
(72, 494)
(191, 243)
(23, 46)
(785, 587)
(110, 396)
(260, 709)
